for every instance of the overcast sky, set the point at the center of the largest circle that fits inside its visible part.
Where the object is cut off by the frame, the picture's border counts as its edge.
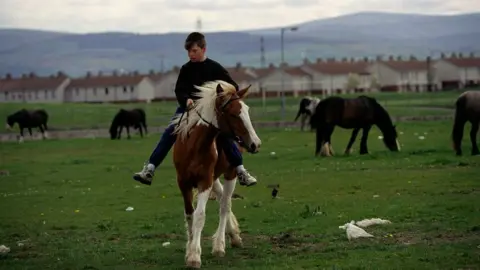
(160, 16)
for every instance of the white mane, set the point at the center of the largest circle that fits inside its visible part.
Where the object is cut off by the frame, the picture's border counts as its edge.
(204, 105)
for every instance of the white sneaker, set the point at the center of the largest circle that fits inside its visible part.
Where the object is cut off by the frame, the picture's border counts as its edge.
(145, 176)
(245, 179)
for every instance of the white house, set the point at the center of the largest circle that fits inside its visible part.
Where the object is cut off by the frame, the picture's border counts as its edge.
(110, 88)
(401, 75)
(165, 84)
(458, 72)
(332, 76)
(295, 80)
(33, 89)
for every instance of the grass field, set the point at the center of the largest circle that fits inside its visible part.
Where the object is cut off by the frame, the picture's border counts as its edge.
(66, 201)
(81, 116)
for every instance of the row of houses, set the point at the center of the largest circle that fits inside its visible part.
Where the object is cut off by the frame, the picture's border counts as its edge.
(321, 77)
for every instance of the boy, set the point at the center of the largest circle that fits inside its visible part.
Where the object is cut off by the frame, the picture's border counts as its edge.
(198, 70)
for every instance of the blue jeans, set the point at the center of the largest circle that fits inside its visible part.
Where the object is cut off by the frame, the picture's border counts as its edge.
(167, 140)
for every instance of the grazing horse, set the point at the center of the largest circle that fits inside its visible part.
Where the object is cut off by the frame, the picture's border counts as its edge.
(199, 163)
(128, 118)
(306, 109)
(29, 119)
(357, 113)
(467, 108)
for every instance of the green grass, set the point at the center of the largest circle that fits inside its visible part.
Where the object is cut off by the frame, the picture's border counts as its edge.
(74, 116)
(68, 199)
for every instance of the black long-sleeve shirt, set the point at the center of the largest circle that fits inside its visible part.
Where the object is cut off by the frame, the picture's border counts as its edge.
(197, 73)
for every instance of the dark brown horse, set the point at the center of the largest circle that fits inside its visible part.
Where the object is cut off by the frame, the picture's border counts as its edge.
(219, 109)
(467, 109)
(128, 118)
(29, 119)
(353, 113)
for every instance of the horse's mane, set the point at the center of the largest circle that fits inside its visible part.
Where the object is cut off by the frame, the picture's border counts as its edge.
(204, 106)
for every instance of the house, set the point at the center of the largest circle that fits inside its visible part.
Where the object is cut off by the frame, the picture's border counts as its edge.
(458, 72)
(164, 84)
(245, 76)
(33, 89)
(397, 75)
(116, 87)
(333, 76)
(295, 80)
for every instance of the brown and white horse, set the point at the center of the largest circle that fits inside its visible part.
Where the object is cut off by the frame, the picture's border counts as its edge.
(199, 165)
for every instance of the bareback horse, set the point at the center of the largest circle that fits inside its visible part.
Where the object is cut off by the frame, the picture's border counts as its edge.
(467, 109)
(218, 109)
(29, 119)
(357, 113)
(306, 108)
(128, 118)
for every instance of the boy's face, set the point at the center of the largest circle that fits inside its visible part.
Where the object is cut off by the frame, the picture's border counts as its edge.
(196, 54)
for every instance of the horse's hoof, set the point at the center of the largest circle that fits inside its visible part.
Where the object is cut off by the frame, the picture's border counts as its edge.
(218, 253)
(236, 243)
(194, 264)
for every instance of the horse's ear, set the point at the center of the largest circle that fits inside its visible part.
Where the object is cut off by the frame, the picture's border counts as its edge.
(243, 93)
(219, 89)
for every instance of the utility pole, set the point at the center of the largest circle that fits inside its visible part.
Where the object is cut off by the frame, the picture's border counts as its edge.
(199, 24)
(262, 53)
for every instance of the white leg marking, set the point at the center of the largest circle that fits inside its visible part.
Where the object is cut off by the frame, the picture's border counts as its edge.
(398, 145)
(188, 227)
(20, 139)
(198, 222)
(45, 135)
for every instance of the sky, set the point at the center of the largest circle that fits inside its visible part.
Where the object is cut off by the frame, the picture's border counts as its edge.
(162, 16)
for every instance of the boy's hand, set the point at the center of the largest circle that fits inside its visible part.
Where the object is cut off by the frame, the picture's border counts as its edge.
(189, 102)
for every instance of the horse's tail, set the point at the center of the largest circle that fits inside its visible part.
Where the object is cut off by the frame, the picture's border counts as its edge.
(459, 122)
(319, 114)
(143, 119)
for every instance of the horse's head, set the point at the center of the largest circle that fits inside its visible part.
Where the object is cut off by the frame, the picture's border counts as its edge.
(233, 117)
(12, 119)
(390, 138)
(115, 123)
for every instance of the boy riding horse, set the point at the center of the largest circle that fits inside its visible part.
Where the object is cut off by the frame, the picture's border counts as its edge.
(197, 71)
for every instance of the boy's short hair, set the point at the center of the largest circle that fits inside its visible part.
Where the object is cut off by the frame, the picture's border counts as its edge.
(195, 38)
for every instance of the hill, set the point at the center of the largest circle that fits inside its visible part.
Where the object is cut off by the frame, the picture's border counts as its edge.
(353, 35)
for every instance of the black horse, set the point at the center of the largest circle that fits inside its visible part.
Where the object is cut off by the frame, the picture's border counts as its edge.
(354, 113)
(306, 108)
(127, 119)
(467, 108)
(29, 119)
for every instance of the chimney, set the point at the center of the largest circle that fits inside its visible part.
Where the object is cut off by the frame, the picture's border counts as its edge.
(238, 66)
(60, 74)
(271, 65)
(306, 61)
(399, 58)
(344, 59)
(472, 55)
(24, 76)
(365, 59)
(151, 72)
(352, 60)
(31, 75)
(115, 73)
(442, 55)
(319, 60)
(379, 58)
(176, 68)
(390, 58)
(8, 76)
(89, 74)
(135, 73)
(413, 58)
(454, 55)
(100, 73)
(460, 55)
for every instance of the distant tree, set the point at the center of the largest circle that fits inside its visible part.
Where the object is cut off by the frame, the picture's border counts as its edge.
(353, 81)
